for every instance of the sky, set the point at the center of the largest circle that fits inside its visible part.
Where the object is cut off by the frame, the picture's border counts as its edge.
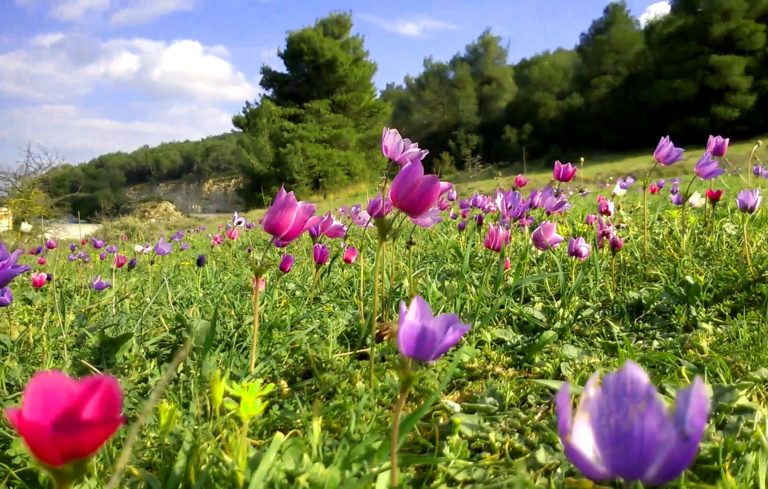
(79, 78)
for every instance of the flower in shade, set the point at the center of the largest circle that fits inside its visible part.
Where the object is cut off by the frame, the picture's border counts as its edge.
(707, 168)
(616, 243)
(132, 263)
(563, 172)
(748, 200)
(496, 238)
(287, 218)
(717, 146)
(545, 236)
(666, 153)
(200, 261)
(286, 263)
(428, 219)
(39, 280)
(401, 151)
(320, 254)
(413, 192)
(350, 255)
(378, 207)
(579, 248)
(162, 247)
(461, 226)
(50, 244)
(622, 429)
(714, 196)
(326, 225)
(424, 337)
(520, 181)
(99, 284)
(6, 298)
(64, 420)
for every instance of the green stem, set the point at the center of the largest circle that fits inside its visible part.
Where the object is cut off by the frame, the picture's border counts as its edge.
(375, 307)
(747, 253)
(256, 303)
(405, 386)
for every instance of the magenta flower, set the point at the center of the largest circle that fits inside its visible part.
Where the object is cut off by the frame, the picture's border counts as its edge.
(413, 192)
(717, 146)
(748, 200)
(545, 236)
(707, 168)
(379, 207)
(666, 153)
(622, 429)
(563, 173)
(497, 238)
(50, 244)
(326, 225)
(287, 218)
(320, 254)
(232, 233)
(579, 248)
(616, 243)
(520, 181)
(286, 263)
(401, 151)
(39, 280)
(423, 337)
(428, 219)
(120, 261)
(350, 255)
(63, 420)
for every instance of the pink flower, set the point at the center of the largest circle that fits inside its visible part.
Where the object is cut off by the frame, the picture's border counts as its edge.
(217, 240)
(326, 225)
(350, 255)
(563, 173)
(63, 420)
(232, 233)
(497, 238)
(545, 236)
(39, 279)
(520, 181)
(413, 192)
(401, 151)
(287, 218)
(120, 261)
(41, 261)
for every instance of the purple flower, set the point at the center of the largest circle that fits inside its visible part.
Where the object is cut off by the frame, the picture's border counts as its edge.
(50, 244)
(579, 248)
(717, 145)
(616, 243)
(428, 219)
(99, 284)
(590, 219)
(379, 207)
(320, 254)
(423, 337)
(5, 297)
(497, 238)
(97, 243)
(72, 247)
(676, 198)
(401, 151)
(163, 248)
(461, 226)
(112, 249)
(286, 263)
(200, 262)
(552, 203)
(102, 256)
(707, 168)
(545, 236)
(666, 153)
(563, 173)
(326, 225)
(622, 429)
(132, 263)
(748, 200)
(184, 246)
(413, 192)
(9, 270)
(287, 218)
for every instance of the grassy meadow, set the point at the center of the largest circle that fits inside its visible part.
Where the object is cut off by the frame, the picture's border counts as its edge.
(177, 336)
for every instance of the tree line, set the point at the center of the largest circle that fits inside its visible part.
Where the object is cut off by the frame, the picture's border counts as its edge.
(701, 69)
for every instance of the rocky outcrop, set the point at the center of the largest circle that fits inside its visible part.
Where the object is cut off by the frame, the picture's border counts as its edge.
(208, 197)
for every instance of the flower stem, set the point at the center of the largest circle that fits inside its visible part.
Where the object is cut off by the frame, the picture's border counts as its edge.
(256, 303)
(747, 253)
(375, 307)
(405, 386)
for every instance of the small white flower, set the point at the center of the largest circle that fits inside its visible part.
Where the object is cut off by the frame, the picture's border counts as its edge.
(25, 227)
(618, 191)
(138, 248)
(696, 200)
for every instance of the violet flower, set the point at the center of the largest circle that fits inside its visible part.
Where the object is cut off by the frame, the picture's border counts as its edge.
(424, 337)
(748, 200)
(707, 168)
(666, 153)
(8, 267)
(545, 236)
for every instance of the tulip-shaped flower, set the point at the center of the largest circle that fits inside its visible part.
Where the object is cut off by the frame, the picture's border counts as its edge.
(748, 200)
(497, 237)
(232, 233)
(378, 207)
(320, 254)
(326, 225)
(666, 153)
(286, 263)
(424, 337)
(413, 192)
(401, 151)
(9, 270)
(200, 261)
(713, 196)
(717, 146)
(622, 429)
(98, 284)
(6, 298)
(579, 248)
(39, 279)
(163, 247)
(563, 173)
(520, 181)
(707, 168)
(50, 244)
(287, 218)
(545, 236)
(350, 255)
(63, 420)
(120, 261)
(97, 243)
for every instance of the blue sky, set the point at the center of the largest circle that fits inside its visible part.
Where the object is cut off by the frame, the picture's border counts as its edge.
(85, 77)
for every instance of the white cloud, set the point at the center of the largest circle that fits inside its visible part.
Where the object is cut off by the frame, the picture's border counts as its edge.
(654, 11)
(79, 134)
(75, 9)
(57, 67)
(143, 11)
(419, 27)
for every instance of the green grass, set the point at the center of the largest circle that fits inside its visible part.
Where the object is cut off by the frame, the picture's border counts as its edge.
(484, 416)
